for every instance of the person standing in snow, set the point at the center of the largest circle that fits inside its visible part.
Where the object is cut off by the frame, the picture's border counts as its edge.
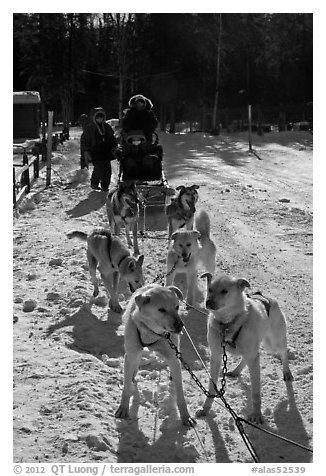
(99, 145)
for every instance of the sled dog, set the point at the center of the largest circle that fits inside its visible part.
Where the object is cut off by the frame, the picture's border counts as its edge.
(123, 209)
(189, 249)
(180, 212)
(114, 262)
(151, 312)
(246, 322)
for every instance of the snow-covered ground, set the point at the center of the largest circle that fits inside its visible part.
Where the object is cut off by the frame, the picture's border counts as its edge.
(68, 355)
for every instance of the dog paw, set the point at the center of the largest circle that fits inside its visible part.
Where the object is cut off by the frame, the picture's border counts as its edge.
(287, 376)
(188, 421)
(201, 413)
(189, 304)
(232, 374)
(256, 417)
(122, 413)
(96, 292)
(115, 307)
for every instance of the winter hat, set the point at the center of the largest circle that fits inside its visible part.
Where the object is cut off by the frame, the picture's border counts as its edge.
(83, 119)
(97, 111)
(140, 98)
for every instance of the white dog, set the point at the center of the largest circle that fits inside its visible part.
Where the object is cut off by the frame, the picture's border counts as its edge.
(189, 249)
(152, 311)
(245, 322)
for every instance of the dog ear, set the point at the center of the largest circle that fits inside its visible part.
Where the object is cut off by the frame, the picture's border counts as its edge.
(196, 234)
(142, 300)
(169, 192)
(180, 187)
(140, 260)
(208, 276)
(195, 186)
(131, 266)
(177, 292)
(174, 235)
(242, 284)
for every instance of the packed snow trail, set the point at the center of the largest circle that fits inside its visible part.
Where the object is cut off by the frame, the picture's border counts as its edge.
(68, 355)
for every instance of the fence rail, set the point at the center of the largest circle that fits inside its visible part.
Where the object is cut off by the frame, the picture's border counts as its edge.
(22, 180)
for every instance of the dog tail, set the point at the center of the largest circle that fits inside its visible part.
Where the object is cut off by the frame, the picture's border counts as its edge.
(203, 224)
(77, 234)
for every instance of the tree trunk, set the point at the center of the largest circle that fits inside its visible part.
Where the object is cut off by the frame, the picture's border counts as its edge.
(260, 130)
(215, 125)
(172, 119)
(120, 104)
(163, 117)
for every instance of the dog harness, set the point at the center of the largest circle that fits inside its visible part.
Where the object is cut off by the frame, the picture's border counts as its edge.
(132, 206)
(264, 300)
(125, 256)
(143, 344)
(176, 210)
(259, 297)
(110, 258)
(231, 341)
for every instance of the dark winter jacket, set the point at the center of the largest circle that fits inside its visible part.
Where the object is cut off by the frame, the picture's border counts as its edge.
(98, 139)
(145, 120)
(83, 121)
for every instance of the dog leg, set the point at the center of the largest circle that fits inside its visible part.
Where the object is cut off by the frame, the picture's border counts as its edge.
(92, 264)
(111, 284)
(287, 374)
(175, 374)
(113, 226)
(215, 365)
(191, 286)
(276, 340)
(190, 223)
(135, 237)
(236, 372)
(209, 257)
(170, 231)
(116, 228)
(254, 371)
(114, 301)
(169, 277)
(131, 364)
(128, 235)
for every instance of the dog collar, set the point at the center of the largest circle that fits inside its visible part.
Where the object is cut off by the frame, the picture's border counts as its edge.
(124, 257)
(144, 344)
(232, 341)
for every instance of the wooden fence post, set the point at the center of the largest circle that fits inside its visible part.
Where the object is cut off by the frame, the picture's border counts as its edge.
(49, 148)
(25, 180)
(249, 127)
(37, 167)
(25, 157)
(14, 188)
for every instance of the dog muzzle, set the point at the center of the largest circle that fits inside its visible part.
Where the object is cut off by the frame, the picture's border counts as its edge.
(210, 304)
(177, 327)
(133, 287)
(186, 258)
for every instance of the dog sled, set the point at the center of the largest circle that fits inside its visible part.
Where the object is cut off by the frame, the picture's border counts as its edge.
(141, 162)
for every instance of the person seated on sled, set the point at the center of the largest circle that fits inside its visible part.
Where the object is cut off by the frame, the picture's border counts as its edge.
(140, 116)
